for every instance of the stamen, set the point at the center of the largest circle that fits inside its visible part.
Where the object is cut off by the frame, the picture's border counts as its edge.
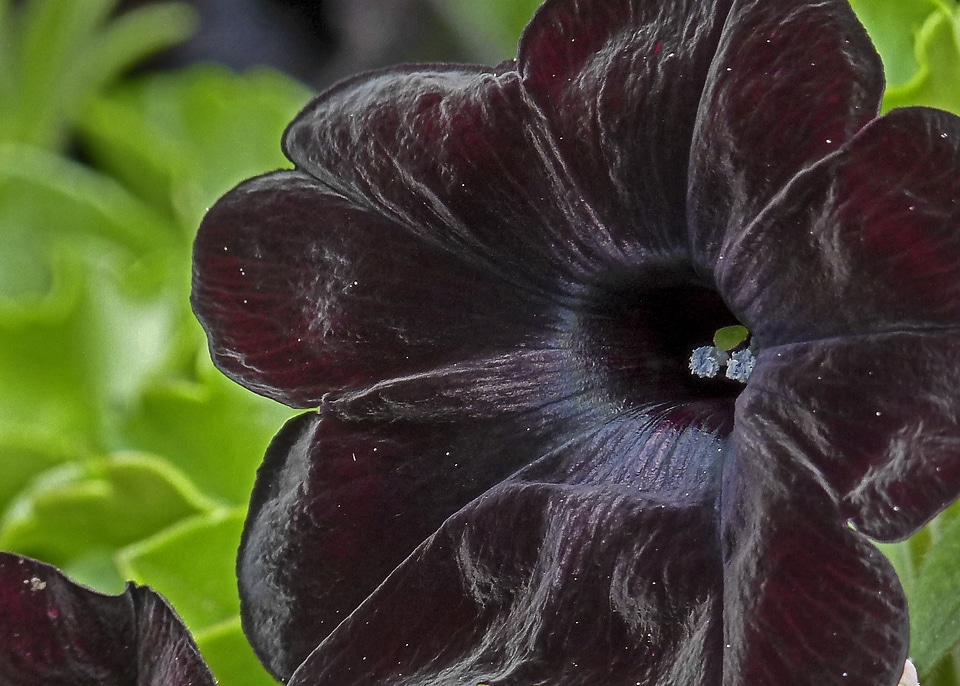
(730, 349)
(707, 360)
(741, 365)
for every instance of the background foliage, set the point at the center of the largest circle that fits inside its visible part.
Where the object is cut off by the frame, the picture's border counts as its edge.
(124, 453)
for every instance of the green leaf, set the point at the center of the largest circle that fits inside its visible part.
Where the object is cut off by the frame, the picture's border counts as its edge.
(65, 200)
(893, 28)
(58, 53)
(128, 39)
(101, 504)
(181, 140)
(212, 429)
(230, 656)
(72, 358)
(49, 35)
(97, 569)
(935, 610)
(92, 293)
(45, 384)
(200, 585)
(944, 673)
(79, 325)
(7, 76)
(937, 81)
(25, 454)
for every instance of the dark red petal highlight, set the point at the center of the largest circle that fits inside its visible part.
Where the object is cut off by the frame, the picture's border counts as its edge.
(463, 157)
(619, 83)
(868, 241)
(807, 600)
(875, 419)
(54, 632)
(301, 292)
(791, 83)
(542, 584)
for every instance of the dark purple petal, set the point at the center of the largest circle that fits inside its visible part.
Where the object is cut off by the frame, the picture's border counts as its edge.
(791, 83)
(867, 241)
(344, 497)
(539, 583)
(301, 292)
(807, 600)
(619, 83)
(54, 632)
(337, 507)
(461, 156)
(875, 419)
(452, 153)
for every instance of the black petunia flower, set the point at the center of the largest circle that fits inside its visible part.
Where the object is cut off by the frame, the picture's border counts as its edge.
(54, 632)
(489, 283)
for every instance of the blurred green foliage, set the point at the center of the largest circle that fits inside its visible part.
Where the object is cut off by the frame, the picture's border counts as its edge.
(491, 29)
(124, 453)
(919, 42)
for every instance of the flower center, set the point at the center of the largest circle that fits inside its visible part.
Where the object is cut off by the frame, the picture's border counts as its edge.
(636, 338)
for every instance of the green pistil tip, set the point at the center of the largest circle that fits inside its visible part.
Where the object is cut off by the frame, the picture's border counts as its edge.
(729, 337)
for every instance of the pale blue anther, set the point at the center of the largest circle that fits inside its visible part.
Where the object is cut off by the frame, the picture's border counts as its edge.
(741, 365)
(707, 360)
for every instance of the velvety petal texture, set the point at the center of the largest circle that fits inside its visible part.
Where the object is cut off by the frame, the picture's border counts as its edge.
(304, 292)
(538, 584)
(618, 83)
(486, 284)
(874, 419)
(54, 632)
(864, 242)
(790, 83)
(338, 506)
(346, 494)
(460, 157)
(806, 598)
